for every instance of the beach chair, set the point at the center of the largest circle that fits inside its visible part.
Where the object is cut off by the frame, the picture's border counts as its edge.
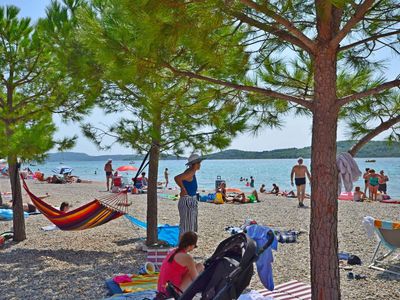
(388, 233)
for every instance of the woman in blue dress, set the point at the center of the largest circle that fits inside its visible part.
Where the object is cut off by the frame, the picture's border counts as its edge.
(187, 204)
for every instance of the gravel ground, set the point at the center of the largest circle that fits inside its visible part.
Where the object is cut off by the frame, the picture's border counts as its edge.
(74, 265)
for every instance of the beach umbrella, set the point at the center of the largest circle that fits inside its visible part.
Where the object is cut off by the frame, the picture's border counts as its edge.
(126, 168)
(62, 170)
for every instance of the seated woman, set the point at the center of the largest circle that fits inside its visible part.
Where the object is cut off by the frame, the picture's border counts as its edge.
(275, 189)
(179, 267)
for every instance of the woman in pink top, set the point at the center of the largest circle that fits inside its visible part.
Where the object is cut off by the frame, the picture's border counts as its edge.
(179, 267)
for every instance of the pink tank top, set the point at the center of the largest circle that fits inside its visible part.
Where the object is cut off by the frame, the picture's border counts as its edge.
(172, 272)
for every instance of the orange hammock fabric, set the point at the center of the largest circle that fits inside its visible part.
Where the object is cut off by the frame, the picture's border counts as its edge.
(92, 214)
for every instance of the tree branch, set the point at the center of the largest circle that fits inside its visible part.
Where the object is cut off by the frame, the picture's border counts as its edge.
(273, 30)
(372, 38)
(281, 20)
(360, 12)
(370, 92)
(266, 92)
(381, 128)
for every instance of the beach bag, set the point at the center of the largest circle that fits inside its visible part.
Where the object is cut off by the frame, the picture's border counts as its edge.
(287, 237)
(354, 260)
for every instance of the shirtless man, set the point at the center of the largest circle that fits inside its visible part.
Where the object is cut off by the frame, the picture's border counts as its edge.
(300, 171)
(382, 182)
(108, 169)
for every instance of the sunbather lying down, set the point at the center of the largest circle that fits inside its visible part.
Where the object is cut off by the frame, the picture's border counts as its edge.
(233, 197)
(292, 194)
(241, 198)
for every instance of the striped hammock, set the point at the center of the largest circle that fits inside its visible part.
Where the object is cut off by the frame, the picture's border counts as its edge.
(90, 215)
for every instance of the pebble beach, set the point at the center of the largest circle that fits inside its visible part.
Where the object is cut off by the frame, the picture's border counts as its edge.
(74, 265)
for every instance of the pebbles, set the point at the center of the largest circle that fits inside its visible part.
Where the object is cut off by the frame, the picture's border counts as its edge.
(74, 265)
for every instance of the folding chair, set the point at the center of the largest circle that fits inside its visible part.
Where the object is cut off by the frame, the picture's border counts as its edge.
(388, 233)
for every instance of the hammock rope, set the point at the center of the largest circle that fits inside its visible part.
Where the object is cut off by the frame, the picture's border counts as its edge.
(95, 213)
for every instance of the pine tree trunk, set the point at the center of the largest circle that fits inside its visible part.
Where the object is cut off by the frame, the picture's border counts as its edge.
(324, 208)
(152, 220)
(18, 210)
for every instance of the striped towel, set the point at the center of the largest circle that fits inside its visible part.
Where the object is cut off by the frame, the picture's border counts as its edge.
(292, 290)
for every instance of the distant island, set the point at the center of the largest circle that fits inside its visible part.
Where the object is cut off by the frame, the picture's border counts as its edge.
(372, 149)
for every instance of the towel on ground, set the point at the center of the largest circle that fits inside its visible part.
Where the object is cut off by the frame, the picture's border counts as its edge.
(140, 283)
(254, 295)
(348, 171)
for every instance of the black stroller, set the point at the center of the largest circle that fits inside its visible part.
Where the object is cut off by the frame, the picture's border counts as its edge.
(227, 272)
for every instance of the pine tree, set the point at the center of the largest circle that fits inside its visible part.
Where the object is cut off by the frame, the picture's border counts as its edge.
(237, 44)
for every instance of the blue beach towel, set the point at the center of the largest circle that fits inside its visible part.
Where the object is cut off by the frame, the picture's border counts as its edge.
(166, 233)
(7, 214)
(264, 262)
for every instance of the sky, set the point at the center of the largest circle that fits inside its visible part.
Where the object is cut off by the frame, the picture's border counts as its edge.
(296, 131)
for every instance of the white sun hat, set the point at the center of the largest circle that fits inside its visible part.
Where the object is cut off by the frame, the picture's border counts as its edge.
(194, 158)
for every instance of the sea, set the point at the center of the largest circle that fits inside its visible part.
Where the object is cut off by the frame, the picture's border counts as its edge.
(265, 171)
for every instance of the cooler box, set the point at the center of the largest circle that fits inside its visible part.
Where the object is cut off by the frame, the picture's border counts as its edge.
(156, 256)
(218, 182)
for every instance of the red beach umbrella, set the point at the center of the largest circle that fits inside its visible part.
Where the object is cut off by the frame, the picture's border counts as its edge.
(126, 168)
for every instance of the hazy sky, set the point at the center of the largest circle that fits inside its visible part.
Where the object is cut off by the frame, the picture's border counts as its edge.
(296, 131)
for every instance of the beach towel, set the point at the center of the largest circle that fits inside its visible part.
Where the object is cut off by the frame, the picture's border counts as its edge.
(292, 290)
(264, 262)
(254, 295)
(144, 295)
(7, 214)
(166, 233)
(348, 171)
(140, 283)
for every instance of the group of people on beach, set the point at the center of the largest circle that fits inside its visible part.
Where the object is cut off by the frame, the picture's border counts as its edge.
(179, 267)
(298, 177)
(374, 183)
(250, 183)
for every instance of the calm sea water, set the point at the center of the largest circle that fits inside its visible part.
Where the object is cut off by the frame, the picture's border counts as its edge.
(265, 171)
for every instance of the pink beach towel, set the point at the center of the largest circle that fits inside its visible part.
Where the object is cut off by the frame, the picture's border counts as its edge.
(292, 290)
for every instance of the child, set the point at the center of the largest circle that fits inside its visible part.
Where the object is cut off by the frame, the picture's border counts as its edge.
(358, 196)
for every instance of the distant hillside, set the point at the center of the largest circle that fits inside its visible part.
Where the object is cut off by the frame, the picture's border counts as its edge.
(372, 149)
(77, 156)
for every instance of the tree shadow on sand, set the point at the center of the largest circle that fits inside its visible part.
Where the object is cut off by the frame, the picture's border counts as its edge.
(395, 267)
(63, 273)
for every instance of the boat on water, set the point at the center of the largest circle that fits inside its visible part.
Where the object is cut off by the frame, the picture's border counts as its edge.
(370, 160)
(131, 162)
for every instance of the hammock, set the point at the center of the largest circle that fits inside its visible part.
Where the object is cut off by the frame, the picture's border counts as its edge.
(90, 215)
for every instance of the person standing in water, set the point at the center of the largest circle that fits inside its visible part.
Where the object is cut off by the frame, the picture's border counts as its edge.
(299, 173)
(108, 169)
(166, 174)
(187, 204)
